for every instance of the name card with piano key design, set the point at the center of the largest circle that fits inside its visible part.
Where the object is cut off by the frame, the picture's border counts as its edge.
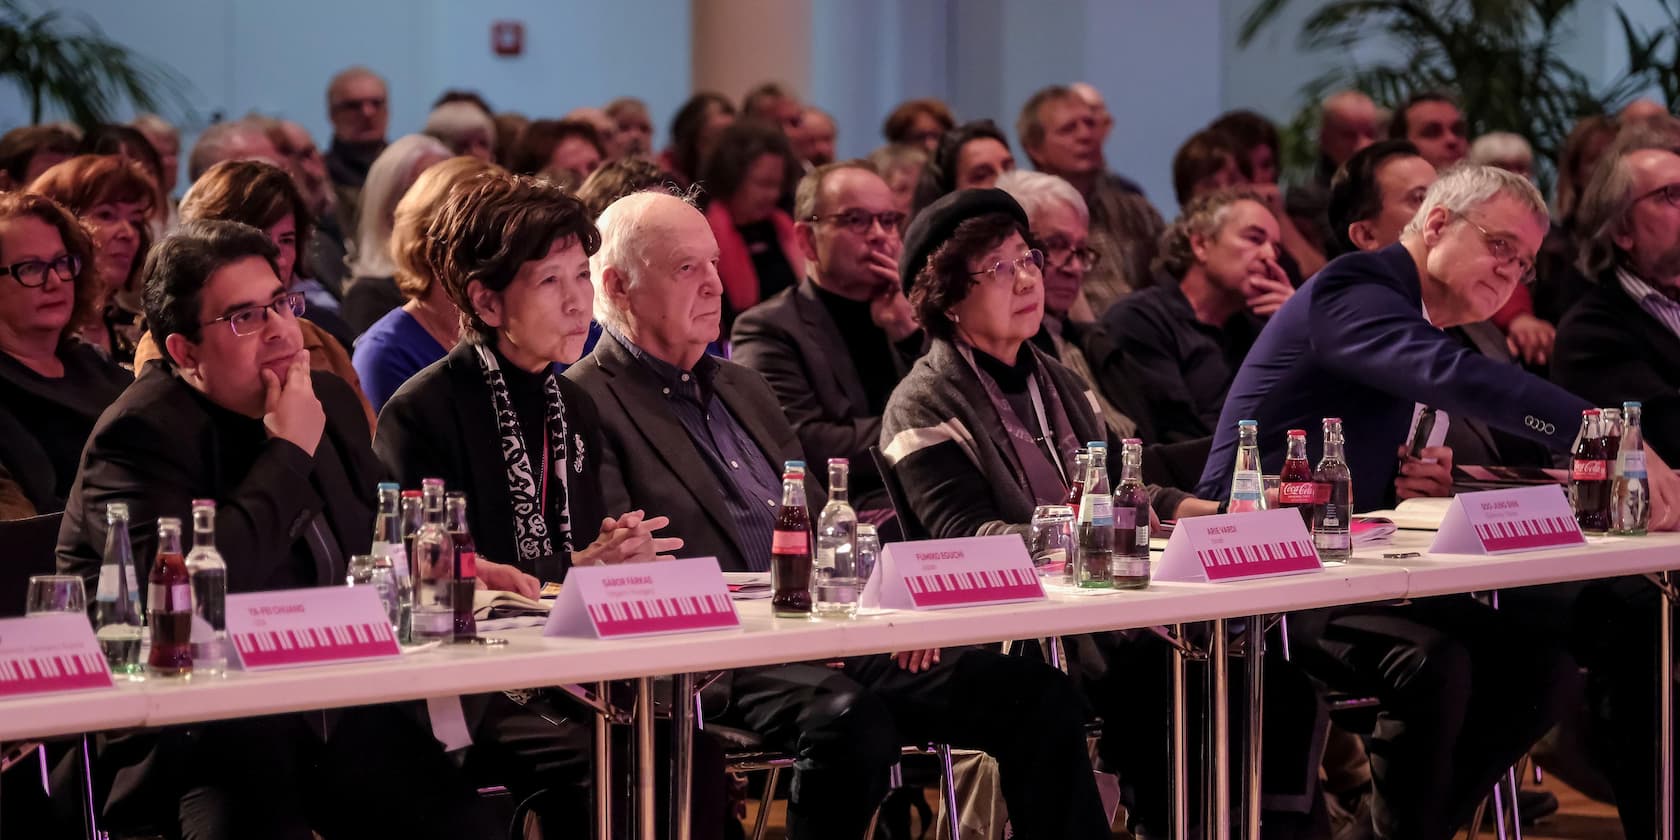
(290, 627)
(643, 599)
(1236, 546)
(47, 653)
(966, 572)
(1508, 521)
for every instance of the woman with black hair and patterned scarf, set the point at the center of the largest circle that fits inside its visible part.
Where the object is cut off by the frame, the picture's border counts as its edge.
(495, 419)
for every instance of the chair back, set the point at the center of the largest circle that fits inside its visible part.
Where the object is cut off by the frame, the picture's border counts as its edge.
(28, 547)
(911, 527)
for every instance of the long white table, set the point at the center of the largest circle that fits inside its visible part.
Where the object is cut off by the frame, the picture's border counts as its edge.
(531, 660)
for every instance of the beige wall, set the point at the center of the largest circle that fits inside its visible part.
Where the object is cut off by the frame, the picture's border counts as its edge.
(741, 43)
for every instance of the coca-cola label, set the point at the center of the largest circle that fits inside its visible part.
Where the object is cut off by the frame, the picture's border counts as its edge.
(1589, 470)
(165, 597)
(1297, 493)
(1633, 464)
(469, 565)
(790, 542)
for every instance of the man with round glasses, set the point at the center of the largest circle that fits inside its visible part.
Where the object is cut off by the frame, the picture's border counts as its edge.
(834, 346)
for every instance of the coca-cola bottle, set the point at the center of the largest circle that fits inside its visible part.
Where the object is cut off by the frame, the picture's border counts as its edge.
(1076, 486)
(1131, 520)
(1630, 511)
(1333, 504)
(1589, 476)
(1248, 489)
(790, 548)
(169, 605)
(1095, 525)
(465, 578)
(1295, 482)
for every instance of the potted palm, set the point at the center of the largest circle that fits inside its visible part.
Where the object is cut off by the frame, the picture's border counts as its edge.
(61, 59)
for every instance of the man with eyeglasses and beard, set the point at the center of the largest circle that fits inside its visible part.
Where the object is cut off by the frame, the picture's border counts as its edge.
(232, 413)
(834, 347)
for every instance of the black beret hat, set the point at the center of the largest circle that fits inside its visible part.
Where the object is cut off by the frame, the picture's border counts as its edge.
(939, 220)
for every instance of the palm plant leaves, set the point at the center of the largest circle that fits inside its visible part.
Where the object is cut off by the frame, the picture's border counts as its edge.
(62, 59)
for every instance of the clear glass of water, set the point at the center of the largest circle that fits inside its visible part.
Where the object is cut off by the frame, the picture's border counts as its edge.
(367, 570)
(1050, 540)
(56, 594)
(868, 551)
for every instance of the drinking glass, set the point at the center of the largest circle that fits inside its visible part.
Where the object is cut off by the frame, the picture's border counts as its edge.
(1050, 540)
(867, 550)
(366, 570)
(56, 594)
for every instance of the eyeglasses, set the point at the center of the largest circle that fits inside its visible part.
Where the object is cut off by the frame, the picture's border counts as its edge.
(1059, 251)
(1669, 193)
(1501, 249)
(859, 221)
(32, 274)
(248, 320)
(1005, 271)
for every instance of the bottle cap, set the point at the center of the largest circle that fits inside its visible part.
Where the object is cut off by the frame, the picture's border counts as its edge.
(1332, 419)
(839, 462)
(1297, 433)
(1247, 423)
(1591, 412)
(389, 485)
(116, 509)
(1097, 444)
(1132, 441)
(199, 503)
(431, 482)
(1630, 404)
(411, 494)
(793, 465)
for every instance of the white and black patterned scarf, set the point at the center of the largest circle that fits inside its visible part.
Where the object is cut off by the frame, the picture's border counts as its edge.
(530, 522)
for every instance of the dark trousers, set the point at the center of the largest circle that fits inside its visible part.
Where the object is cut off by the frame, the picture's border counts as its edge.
(846, 727)
(378, 775)
(547, 748)
(1128, 680)
(1464, 693)
(1611, 628)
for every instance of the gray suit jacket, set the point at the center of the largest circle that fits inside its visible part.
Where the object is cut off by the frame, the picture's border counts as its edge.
(649, 462)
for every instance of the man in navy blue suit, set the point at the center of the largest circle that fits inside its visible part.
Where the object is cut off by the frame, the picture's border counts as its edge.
(1363, 341)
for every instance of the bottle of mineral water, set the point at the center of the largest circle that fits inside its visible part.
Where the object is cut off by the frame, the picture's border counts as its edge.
(837, 581)
(1331, 528)
(390, 553)
(1095, 526)
(1248, 489)
(1630, 500)
(117, 610)
(208, 573)
(433, 566)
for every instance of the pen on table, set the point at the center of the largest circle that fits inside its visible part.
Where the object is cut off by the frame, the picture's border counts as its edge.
(1400, 555)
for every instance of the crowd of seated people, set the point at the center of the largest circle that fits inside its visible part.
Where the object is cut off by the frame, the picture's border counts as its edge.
(612, 348)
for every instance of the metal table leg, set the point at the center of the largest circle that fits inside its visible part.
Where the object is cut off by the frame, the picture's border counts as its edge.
(1665, 709)
(1180, 761)
(646, 808)
(1219, 769)
(1256, 705)
(682, 754)
(90, 808)
(603, 788)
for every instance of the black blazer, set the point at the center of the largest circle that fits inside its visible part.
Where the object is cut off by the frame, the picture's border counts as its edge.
(1609, 350)
(440, 424)
(163, 444)
(795, 345)
(44, 423)
(649, 462)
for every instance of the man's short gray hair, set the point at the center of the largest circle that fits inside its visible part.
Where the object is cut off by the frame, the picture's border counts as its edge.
(1035, 191)
(453, 123)
(1608, 194)
(1468, 186)
(216, 142)
(628, 245)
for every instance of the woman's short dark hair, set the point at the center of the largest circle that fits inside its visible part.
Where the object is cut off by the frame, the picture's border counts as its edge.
(78, 243)
(179, 268)
(689, 124)
(124, 140)
(19, 147)
(903, 118)
(619, 178)
(1248, 131)
(945, 281)
(487, 229)
(742, 144)
(251, 192)
(1355, 195)
(1205, 153)
(536, 144)
(939, 176)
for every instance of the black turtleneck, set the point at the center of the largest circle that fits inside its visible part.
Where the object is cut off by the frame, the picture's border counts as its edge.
(348, 163)
(1012, 380)
(867, 344)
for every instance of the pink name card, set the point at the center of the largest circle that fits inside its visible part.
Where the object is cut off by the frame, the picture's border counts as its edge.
(1508, 521)
(1237, 546)
(965, 572)
(290, 627)
(643, 599)
(47, 653)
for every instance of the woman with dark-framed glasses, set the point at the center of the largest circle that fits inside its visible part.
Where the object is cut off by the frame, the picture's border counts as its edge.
(52, 384)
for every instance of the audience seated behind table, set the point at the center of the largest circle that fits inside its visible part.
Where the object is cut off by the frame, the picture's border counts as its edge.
(563, 151)
(265, 197)
(286, 455)
(969, 156)
(372, 291)
(27, 151)
(496, 420)
(53, 385)
(321, 268)
(680, 427)
(359, 108)
(427, 325)
(117, 201)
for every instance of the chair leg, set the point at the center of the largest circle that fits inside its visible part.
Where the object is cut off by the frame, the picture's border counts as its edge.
(762, 821)
(953, 817)
(91, 811)
(1516, 815)
(1499, 811)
